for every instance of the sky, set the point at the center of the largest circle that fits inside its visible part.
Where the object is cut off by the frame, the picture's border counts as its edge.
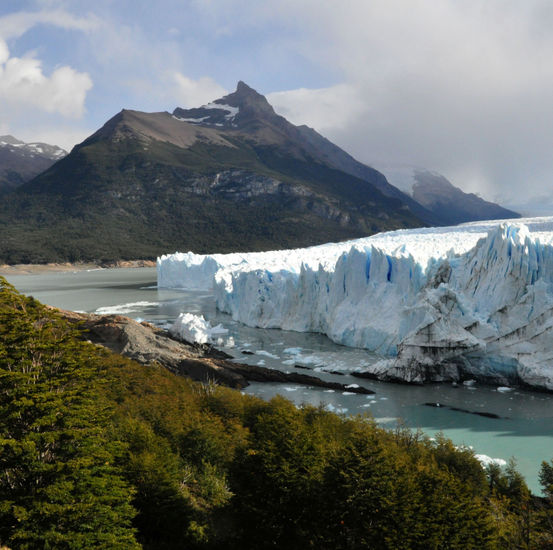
(462, 87)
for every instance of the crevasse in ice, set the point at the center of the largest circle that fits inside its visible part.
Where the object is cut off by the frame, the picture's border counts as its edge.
(438, 303)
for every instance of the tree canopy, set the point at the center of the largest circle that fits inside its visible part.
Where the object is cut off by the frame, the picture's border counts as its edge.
(97, 451)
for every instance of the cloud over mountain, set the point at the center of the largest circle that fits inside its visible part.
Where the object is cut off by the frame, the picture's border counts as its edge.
(459, 87)
(23, 85)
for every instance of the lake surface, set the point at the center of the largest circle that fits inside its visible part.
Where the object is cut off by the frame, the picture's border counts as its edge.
(524, 431)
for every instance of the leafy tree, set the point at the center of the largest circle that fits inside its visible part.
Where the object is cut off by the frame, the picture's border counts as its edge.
(60, 486)
(543, 516)
(545, 477)
(276, 480)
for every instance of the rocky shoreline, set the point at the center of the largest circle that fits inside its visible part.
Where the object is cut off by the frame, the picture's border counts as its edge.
(29, 269)
(149, 344)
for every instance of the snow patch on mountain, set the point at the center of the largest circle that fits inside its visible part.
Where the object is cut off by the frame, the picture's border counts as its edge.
(52, 152)
(198, 120)
(471, 301)
(232, 111)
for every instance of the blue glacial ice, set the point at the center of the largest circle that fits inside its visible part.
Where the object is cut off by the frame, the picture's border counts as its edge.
(470, 301)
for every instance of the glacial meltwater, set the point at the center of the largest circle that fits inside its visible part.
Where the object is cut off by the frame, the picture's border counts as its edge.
(500, 423)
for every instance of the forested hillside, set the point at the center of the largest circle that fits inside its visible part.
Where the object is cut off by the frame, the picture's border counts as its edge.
(146, 184)
(97, 451)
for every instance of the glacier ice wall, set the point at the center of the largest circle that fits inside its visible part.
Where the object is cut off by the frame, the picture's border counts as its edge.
(473, 300)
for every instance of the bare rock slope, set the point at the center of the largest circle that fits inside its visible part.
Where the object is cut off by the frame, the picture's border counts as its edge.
(148, 344)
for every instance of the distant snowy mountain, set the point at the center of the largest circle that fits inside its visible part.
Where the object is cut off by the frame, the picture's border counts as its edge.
(436, 193)
(20, 161)
(447, 303)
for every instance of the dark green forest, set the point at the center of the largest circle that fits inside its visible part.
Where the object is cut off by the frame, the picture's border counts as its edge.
(97, 451)
(111, 201)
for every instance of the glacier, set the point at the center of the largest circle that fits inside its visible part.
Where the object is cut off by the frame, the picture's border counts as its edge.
(474, 301)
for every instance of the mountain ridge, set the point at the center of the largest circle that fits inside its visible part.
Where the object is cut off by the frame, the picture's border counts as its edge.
(145, 184)
(231, 175)
(450, 204)
(20, 161)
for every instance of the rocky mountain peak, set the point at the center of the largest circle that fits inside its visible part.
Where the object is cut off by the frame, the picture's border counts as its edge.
(249, 101)
(20, 161)
(233, 110)
(242, 87)
(244, 95)
(10, 140)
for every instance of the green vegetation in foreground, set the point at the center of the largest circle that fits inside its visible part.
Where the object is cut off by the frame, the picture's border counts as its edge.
(97, 451)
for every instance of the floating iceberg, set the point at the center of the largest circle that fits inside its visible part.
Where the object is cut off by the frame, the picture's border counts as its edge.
(471, 301)
(124, 309)
(195, 329)
(486, 460)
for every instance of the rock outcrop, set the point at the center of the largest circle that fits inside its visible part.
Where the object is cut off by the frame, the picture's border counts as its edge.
(148, 344)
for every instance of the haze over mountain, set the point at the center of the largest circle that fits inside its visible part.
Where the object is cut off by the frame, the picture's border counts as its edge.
(437, 194)
(231, 175)
(20, 161)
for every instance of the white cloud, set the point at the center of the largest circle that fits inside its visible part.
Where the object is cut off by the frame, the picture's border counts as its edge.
(460, 86)
(193, 93)
(64, 136)
(4, 52)
(463, 87)
(15, 25)
(324, 108)
(23, 85)
(31, 100)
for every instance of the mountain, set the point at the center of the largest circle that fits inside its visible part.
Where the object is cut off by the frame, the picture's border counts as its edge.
(449, 204)
(20, 161)
(231, 175)
(246, 107)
